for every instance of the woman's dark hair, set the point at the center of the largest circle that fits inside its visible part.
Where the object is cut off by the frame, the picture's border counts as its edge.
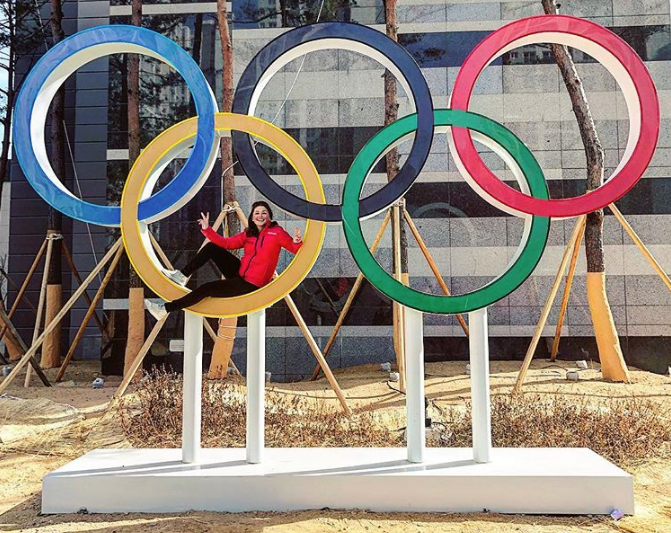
(252, 230)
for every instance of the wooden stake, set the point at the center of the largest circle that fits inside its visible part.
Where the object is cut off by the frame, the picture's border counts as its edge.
(40, 305)
(638, 242)
(350, 299)
(13, 334)
(75, 273)
(89, 313)
(36, 345)
(432, 264)
(577, 232)
(24, 285)
(567, 293)
(318, 354)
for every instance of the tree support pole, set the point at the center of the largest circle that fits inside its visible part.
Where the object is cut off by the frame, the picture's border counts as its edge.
(318, 354)
(137, 362)
(432, 264)
(350, 299)
(565, 297)
(40, 306)
(14, 334)
(578, 230)
(642, 247)
(75, 273)
(33, 349)
(89, 313)
(24, 285)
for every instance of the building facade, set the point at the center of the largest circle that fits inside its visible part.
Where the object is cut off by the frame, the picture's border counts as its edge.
(332, 103)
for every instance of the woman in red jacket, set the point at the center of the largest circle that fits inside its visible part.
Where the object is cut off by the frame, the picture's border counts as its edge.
(262, 243)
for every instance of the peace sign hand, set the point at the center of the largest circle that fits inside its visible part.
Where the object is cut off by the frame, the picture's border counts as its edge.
(297, 236)
(204, 221)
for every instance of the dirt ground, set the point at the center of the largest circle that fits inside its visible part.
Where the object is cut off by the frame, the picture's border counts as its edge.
(42, 429)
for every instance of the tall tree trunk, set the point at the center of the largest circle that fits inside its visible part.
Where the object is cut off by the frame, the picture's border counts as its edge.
(399, 236)
(7, 119)
(51, 356)
(223, 346)
(391, 115)
(196, 50)
(228, 179)
(613, 365)
(135, 337)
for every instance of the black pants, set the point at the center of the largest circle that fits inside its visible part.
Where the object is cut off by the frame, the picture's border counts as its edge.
(228, 265)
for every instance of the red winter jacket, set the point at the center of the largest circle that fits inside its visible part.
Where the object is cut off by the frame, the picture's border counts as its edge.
(261, 253)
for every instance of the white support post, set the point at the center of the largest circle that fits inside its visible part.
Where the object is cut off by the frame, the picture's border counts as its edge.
(256, 383)
(481, 409)
(414, 392)
(193, 382)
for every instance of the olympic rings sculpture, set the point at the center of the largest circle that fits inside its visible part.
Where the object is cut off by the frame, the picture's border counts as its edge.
(532, 202)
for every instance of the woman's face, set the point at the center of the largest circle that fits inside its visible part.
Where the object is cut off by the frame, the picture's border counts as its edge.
(260, 216)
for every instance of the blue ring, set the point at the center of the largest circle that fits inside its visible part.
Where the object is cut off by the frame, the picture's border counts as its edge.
(371, 38)
(179, 188)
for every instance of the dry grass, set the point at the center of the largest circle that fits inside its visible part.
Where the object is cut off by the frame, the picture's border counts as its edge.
(625, 431)
(153, 418)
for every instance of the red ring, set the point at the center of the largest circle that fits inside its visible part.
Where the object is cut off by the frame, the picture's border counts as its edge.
(620, 182)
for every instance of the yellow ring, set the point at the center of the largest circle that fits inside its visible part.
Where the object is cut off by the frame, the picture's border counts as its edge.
(149, 165)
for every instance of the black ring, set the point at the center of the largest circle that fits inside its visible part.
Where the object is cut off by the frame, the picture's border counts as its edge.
(370, 38)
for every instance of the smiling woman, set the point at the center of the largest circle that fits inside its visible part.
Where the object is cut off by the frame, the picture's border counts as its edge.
(262, 242)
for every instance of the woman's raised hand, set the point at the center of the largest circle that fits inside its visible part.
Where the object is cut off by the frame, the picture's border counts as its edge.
(204, 221)
(297, 235)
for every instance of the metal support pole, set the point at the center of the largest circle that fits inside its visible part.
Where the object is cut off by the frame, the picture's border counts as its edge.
(414, 397)
(481, 409)
(256, 377)
(193, 382)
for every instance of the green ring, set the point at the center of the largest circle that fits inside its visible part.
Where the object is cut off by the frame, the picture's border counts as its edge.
(529, 253)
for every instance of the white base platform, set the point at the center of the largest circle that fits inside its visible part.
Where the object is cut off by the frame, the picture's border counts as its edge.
(531, 480)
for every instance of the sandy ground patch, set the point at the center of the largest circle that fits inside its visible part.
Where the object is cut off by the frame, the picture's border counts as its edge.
(68, 420)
